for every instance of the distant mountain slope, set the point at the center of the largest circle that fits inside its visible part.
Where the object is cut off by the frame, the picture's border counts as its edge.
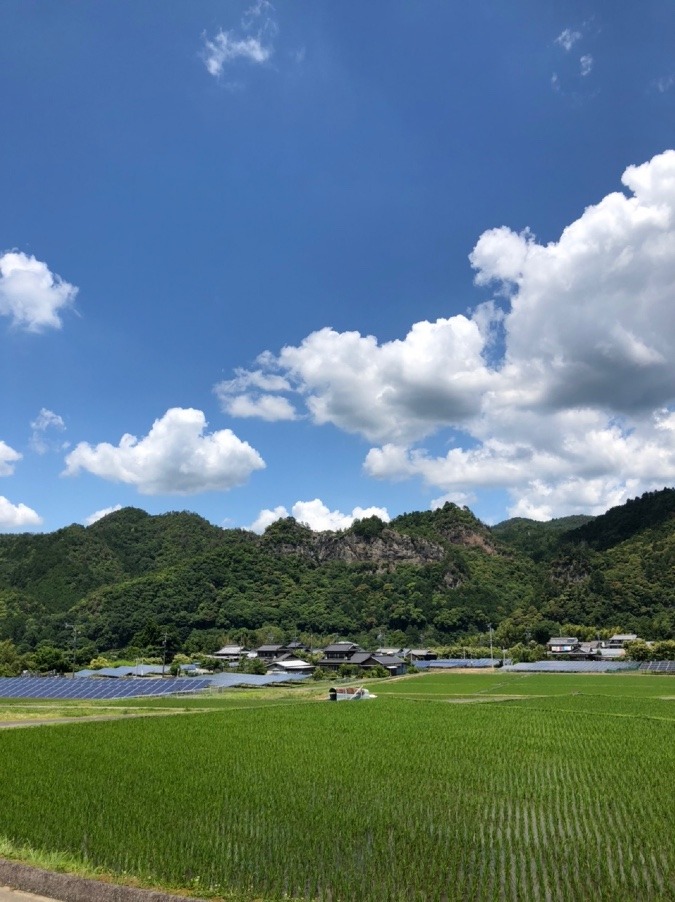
(535, 538)
(652, 510)
(57, 568)
(431, 576)
(450, 524)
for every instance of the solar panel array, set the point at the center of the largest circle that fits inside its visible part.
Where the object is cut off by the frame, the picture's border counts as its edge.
(658, 666)
(573, 666)
(124, 671)
(451, 663)
(88, 688)
(227, 680)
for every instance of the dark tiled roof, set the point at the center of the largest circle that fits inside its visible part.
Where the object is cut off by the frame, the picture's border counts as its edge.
(360, 657)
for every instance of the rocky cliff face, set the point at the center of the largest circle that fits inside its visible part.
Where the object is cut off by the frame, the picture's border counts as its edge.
(463, 535)
(386, 546)
(386, 550)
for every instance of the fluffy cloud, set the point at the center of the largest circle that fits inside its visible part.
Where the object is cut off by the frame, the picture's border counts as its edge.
(99, 515)
(400, 390)
(8, 457)
(249, 395)
(15, 516)
(265, 407)
(175, 458)
(576, 462)
(250, 41)
(575, 496)
(266, 517)
(317, 516)
(30, 294)
(460, 498)
(576, 412)
(45, 421)
(592, 321)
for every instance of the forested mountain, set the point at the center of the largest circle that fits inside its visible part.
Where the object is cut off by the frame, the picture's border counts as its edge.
(436, 577)
(536, 539)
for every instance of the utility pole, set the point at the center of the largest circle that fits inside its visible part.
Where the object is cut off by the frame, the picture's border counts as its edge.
(73, 627)
(166, 639)
(491, 655)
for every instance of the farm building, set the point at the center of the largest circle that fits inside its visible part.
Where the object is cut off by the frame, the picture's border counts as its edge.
(289, 664)
(339, 653)
(230, 653)
(412, 655)
(562, 645)
(269, 652)
(367, 660)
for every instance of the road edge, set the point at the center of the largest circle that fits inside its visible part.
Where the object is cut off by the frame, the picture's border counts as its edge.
(70, 888)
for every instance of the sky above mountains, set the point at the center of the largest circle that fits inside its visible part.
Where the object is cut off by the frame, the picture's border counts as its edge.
(335, 259)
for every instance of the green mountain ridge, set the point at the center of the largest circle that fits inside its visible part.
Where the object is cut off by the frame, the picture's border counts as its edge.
(436, 577)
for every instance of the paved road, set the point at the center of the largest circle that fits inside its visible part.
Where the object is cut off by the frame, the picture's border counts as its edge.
(15, 895)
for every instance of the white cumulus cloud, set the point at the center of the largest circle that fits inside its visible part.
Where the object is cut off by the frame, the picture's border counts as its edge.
(99, 515)
(264, 407)
(249, 395)
(401, 389)
(574, 496)
(578, 409)
(15, 516)
(591, 320)
(317, 515)
(176, 457)
(266, 517)
(31, 295)
(8, 457)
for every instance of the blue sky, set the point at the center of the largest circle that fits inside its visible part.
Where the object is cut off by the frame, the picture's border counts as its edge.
(330, 258)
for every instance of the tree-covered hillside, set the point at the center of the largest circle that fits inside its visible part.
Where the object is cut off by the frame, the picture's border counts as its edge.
(534, 538)
(132, 580)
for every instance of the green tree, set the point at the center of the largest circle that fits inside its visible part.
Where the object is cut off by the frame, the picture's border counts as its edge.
(10, 660)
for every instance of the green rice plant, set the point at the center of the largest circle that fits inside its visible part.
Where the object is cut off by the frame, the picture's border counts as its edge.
(390, 800)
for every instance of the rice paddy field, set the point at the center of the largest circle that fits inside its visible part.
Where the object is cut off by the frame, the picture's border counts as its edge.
(448, 787)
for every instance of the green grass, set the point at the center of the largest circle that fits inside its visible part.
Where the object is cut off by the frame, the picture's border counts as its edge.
(641, 685)
(565, 793)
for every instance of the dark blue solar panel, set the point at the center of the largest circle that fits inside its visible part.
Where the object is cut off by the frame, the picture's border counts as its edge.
(452, 663)
(658, 666)
(573, 666)
(86, 688)
(225, 680)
